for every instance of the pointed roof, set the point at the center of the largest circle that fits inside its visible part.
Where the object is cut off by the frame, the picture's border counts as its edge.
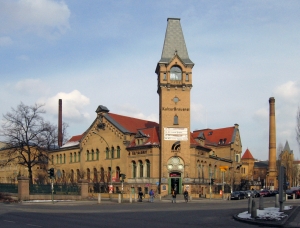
(287, 147)
(174, 43)
(247, 155)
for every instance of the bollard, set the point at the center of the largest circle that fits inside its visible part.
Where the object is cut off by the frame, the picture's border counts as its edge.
(261, 203)
(135, 197)
(191, 198)
(293, 196)
(277, 200)
(119, 198)
(159, 197)
(99, 198)
(130, 197)
(249, 204)
(253, 210)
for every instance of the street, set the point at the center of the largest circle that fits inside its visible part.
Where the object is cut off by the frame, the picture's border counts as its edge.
(214, 213)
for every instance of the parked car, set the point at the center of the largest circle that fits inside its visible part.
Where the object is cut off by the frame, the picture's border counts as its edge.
(290, 194)
(249, 194)
(238, 195)
(274, 192)
(264, 193)
(255, 193)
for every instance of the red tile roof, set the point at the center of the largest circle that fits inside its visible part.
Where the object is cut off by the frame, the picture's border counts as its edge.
(247, 155)
(132, 124)
(152, 134)
(213, 136)
(75, 138)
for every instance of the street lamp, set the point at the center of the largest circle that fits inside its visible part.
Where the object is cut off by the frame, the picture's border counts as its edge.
(109, 152)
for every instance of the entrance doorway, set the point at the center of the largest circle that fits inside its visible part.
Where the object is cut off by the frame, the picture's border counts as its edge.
(175, 182)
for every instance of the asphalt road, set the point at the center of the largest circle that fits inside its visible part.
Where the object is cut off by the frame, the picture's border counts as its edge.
(215, 213)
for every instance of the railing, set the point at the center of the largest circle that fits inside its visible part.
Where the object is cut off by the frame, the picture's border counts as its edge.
(9, 188)
(58, 189)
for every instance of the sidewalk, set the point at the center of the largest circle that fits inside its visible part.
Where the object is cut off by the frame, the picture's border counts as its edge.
(292, 220)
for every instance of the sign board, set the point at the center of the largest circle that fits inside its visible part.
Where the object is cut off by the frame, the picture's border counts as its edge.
(176, 134)
(164, 180)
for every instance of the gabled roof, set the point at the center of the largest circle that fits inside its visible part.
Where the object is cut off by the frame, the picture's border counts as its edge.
(73, 141)
(150, 133)
(215, 137)
(174, 43)
(129, 124)
(247, 155)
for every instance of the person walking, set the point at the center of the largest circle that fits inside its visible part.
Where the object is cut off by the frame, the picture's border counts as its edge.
(151, 193)
(173, 196)
(186, 195)
(141, 196)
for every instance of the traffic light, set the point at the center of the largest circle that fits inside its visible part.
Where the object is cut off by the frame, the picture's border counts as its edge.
(123, 176)
(51, 173)
(212, 181)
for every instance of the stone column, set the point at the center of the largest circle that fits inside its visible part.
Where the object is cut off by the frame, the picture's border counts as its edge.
(23, 188)
(84, 185)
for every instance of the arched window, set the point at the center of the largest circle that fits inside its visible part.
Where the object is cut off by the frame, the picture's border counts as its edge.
(72, 176)
(107, 153)
(133, 164)
(71, 158)
(93, 153)
(78, 175)
(60, 158)
(147, 168)
(118, 172)
(88, 174)
(101, 174)
(64, 158)
(63, 175)
(141, 168)
(95, 176)
(175, 120)
(97, 154)
(112, 152)
(57, 159)
(79, 154)
(87, 155)
(175, 73)
(52, 159)
(118, 152)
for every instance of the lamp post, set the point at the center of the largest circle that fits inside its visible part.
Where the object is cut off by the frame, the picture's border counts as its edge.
(110, 173)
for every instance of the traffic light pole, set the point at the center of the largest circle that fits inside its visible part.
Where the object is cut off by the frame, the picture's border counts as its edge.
(52, 190)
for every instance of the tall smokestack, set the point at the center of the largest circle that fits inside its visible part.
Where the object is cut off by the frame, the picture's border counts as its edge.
(272, 146)
(60, 139)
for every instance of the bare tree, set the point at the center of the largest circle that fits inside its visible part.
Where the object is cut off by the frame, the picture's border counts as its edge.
(28, 136)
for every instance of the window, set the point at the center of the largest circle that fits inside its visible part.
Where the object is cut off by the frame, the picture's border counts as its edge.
(187, 77)
(141, 168)
(112, 152)
(87, 155)
(175, 120)
(107, 153)
(133, 169)
(60, 158)
(52, 159)
(88, 174)
(237, 158)
(175, 73)
(56, 159)
(118, 152)
(64, 158)
(93, 153)
(148, 168)
(79, 156)
(97, 154)
(165, 76)
(75, 157)
(71, 158)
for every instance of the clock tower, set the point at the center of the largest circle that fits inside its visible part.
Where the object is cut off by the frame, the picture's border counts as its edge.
(174, 84)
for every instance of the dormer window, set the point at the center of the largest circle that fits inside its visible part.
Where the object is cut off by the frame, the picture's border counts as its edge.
(175, 73)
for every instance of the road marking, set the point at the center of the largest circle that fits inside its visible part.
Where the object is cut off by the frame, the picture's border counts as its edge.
(8, 221)
(33, 225)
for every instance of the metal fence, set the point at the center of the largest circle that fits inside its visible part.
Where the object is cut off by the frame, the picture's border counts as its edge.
(9, 188)
(66, 189)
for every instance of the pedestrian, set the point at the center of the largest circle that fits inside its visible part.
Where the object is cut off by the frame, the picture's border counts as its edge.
(186, 195)
(173, 196)
(141, 196)
(151, 193)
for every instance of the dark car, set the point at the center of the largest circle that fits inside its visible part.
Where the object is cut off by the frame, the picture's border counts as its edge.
(274, 192)
(264, 193)
(238, 195)
(290, 194)
(249, 194)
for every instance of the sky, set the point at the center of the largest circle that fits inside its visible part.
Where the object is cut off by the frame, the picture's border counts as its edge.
(104, 52)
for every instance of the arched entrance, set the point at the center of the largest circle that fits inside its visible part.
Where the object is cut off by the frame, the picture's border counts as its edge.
(176, 169)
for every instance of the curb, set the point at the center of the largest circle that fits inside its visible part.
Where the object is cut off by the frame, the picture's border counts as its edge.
(280, 223)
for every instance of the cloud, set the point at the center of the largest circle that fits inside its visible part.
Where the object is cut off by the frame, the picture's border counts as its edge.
(31, 87)
(5, 41)
(45, 18)
(288, 91)
(72, 105)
